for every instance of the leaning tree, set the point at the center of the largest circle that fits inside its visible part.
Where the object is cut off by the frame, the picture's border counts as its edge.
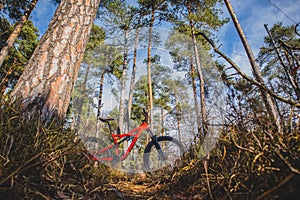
(48, 79)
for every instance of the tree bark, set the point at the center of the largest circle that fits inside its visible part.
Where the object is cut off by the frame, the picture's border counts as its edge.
(48, 79)
(268, 101)
(16, 32)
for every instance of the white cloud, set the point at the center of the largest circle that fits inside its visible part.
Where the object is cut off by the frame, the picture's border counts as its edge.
(252, 16)
(42, 15)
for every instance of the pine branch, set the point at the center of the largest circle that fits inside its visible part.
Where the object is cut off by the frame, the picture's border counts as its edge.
(251, 80)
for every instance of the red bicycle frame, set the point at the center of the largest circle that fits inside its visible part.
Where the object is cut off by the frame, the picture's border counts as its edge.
(120, 138)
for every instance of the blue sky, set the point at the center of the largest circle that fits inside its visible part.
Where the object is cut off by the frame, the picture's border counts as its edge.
(252, 15)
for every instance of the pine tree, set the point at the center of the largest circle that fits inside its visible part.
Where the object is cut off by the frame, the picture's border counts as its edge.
(198, 16)
(156, 9)
(14, 35)
(19, 54)
(48, 79)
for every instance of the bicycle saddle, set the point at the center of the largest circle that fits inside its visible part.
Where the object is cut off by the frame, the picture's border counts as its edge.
(106, 120)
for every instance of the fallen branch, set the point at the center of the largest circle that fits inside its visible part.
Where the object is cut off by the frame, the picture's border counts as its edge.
(276, 187)
(293, 169)
(23, 167)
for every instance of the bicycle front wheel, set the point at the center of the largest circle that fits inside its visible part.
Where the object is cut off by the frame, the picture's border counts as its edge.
(165, 152)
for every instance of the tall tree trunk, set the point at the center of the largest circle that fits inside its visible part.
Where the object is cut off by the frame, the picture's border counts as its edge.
(162, 124)
(162, 121)
(99, 106)
(268, 101)
(14, 35)
(100, 97)
(123, 83)
(133, 74)
(201, 78)
(149, 69)
(48, 79)
(194, 86)
(83, 95)
(178, 116)
(88, 113)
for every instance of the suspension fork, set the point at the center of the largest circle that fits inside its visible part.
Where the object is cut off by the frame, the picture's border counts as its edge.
(161, 153)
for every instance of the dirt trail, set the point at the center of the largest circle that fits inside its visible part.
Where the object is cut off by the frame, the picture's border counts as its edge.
(140, 186)
(145, 186)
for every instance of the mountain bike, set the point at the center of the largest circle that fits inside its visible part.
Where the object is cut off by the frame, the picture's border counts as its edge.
(160, 152)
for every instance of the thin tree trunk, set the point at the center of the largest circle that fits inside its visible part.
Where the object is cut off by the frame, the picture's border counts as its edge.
(47, 82)
(178, 116)
(162, 125)
(194, 86)
(83, 95)
(14, 35)
(162, 122)
(201, 78)
(255, 70)
(88, 114)
(100, 97)
(132, 81)
(149, 70)
(123, 84)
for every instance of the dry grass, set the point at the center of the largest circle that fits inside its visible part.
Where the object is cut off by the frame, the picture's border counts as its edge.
(246, 165)
(48, 163)
(45, 163)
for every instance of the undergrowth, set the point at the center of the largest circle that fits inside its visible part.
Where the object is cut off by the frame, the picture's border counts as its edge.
(253, 164)
(38, 162)
(45, 163)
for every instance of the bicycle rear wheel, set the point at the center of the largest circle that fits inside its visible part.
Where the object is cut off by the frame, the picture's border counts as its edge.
(171, 149)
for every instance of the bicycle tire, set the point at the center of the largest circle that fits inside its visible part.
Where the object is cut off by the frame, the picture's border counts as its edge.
(172, 149)
(93, 145)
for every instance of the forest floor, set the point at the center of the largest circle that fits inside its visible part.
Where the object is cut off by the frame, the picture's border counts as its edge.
(142, 186)
(161, 185)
